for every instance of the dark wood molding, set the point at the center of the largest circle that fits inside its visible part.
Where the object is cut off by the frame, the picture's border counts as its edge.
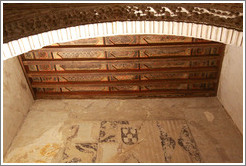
(78, 48)
(83, 61)
(125, 94)
(118, 72)
(119, 83)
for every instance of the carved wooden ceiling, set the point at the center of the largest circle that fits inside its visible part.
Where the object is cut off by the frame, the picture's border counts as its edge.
(136, 66)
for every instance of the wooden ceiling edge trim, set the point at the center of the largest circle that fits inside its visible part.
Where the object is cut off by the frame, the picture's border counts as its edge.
(135, 46)
(125, 72)
(124, 92)
(118, 83)
(130, 97)
(79, 61)
(124, 96)
(75, 48)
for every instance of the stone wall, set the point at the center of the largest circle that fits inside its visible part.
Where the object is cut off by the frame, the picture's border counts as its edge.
(17, 99)
(230, 92)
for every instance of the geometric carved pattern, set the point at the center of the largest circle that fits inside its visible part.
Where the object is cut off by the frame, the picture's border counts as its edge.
(30, 19)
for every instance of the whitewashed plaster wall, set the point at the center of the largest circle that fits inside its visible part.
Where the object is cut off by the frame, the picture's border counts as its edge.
(230, 92)
(17, 100)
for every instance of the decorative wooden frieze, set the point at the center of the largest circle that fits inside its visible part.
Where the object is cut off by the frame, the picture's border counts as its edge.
(46, 24)
(40, 18)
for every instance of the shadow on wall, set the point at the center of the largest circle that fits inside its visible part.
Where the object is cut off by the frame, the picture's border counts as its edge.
(17, 99)
(230, 92)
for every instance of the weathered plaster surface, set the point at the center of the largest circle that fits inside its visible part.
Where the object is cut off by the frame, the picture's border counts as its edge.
(230, 92)
(53, 127)
(17, 99)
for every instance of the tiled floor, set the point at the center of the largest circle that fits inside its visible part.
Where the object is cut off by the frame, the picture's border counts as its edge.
(131, 141)
(133, 131)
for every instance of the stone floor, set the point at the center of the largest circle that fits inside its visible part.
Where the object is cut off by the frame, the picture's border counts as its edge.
(134, 130)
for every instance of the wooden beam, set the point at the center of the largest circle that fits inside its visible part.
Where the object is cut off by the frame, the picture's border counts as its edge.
(81, 61)
(222, 53)
(79, 48)
(119, 72)
(125, 94)
(27, 79)
(119, 83)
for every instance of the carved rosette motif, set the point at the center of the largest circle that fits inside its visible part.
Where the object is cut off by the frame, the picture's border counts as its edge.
(19, 23)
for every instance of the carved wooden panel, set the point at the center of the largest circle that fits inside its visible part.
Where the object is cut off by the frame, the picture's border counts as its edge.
(125, 67)
(23, 20)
